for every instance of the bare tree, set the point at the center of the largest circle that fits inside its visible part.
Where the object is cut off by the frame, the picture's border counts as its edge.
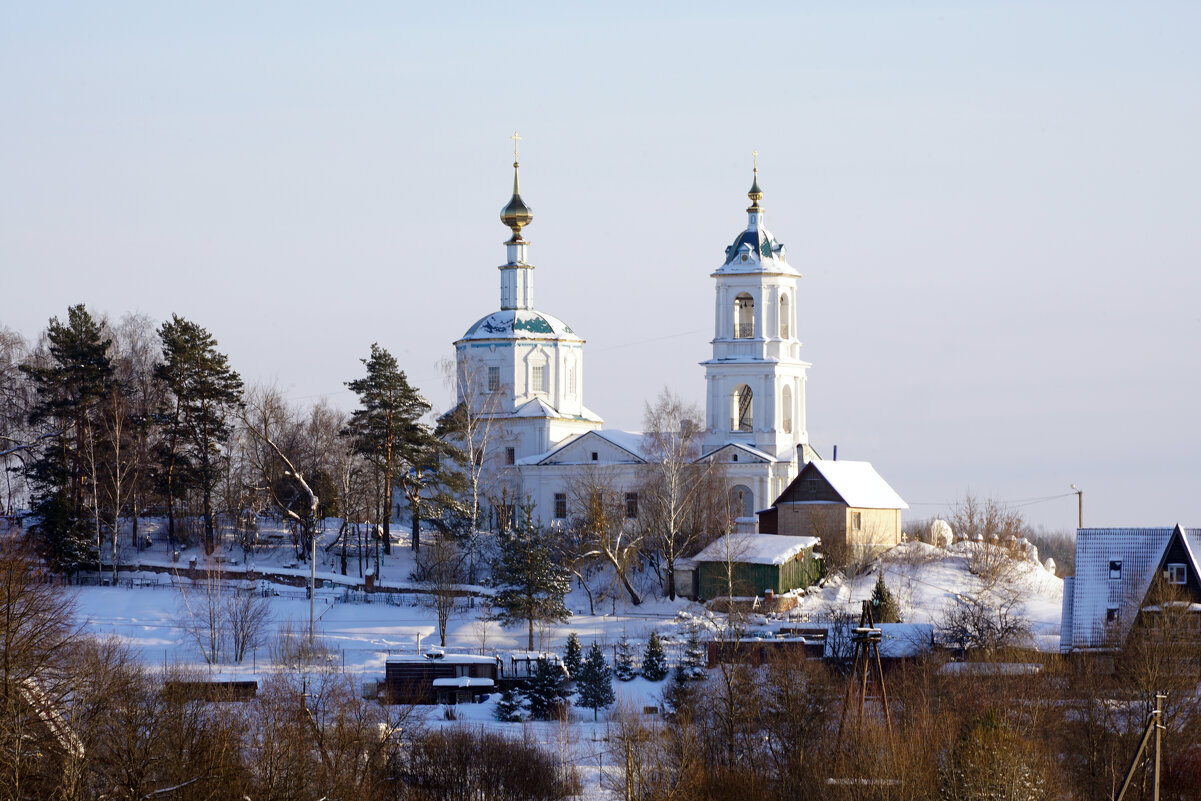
(246, 614)
(676, 496)
(440, 572)
(604, 528)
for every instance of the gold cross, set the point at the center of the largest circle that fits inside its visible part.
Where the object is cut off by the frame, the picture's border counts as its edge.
(515, 139)
(755, 155)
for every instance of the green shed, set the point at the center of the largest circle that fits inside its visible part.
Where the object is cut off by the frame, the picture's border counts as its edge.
(754, 563)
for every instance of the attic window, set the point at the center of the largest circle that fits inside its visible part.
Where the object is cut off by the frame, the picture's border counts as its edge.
(1176, 574)
(1112, 615)
(1115, 568)
(595, 456)
(734, 458)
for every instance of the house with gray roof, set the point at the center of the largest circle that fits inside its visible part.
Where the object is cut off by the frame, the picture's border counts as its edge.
(1127, 579)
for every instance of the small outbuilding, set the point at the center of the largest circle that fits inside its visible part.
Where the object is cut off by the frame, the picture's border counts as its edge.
(742, 564)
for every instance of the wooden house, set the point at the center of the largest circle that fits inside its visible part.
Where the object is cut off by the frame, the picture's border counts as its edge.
(439, 678)
(1144, 581)
(846, 505)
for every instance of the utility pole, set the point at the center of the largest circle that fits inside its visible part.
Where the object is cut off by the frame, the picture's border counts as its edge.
(312, 586)
(1079, 506)
(1154, 726)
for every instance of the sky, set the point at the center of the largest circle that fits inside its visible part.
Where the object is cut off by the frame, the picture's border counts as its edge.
(994, 205)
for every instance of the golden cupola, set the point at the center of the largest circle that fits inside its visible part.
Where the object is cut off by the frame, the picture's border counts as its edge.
(516, 214)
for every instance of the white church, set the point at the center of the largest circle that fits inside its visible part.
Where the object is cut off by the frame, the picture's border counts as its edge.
(522, 375)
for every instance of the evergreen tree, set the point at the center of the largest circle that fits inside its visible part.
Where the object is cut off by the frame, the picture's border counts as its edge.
(573, 657)
(546, 690)
(388, 428)
(654, 662)
(510, 706)
(885, 608)
(623, 665)
(681, 693)
(692, 662)
(204, 391)
(531, 582)
(595, 681)
(69, 385)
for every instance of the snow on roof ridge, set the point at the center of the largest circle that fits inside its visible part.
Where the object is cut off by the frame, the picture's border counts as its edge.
(859, 484)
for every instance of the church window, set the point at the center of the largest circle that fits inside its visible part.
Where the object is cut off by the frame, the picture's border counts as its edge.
(1176, 574)
(786, 407)
(741, 409)
(741, 501)
(632, 505)
(494, 379)
(560, 505)
(538, 379)
(744, 316)
(785, 321)
(510, 455)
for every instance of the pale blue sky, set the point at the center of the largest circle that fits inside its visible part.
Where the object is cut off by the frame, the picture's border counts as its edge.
(995, 207)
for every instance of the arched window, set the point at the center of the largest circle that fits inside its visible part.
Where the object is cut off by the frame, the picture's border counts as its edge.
(742, 502)
(744, 316)
(742, 410)
(785, 319)
(786, 408)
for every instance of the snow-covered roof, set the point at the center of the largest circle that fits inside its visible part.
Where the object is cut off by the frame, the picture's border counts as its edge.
(858, 484)
(520, 324)
(629, 441)
(1114, 570)
(742, 446)
(755, 549)
(457, 659)
(897, 640)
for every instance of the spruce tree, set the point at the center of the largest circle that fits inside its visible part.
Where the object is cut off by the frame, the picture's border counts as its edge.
(510, 706)
(595, 681)
(531, 582)
(69, 384)
(885, 608)
(654, 662)
(693, 660)
(573, 657)
(623, 665)
(546, 690)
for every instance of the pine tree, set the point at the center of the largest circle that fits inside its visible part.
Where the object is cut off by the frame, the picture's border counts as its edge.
(623, 665)
(681, 692)
(693, 660)
(388, 428)
(69, 384)
(885, 608)
(595, 681)
(531, 582)
(573, 657)
(204, 391)
(654, 662)
(510, 706)
(546, 690)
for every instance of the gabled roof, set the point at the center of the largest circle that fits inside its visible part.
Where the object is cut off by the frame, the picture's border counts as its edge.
(1137, 555)
(755, 549)
(629, 442)
(742, 446)
(856, 483)
(538, 407)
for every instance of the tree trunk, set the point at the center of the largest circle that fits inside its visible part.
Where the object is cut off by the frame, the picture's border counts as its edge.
(530, 647)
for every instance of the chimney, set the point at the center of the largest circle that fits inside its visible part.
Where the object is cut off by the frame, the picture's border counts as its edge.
(836, 453)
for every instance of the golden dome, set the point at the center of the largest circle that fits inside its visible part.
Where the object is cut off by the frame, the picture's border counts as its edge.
(756, 194)
(516, 214)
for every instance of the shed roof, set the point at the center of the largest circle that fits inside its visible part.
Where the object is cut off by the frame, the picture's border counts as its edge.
(755, 549)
